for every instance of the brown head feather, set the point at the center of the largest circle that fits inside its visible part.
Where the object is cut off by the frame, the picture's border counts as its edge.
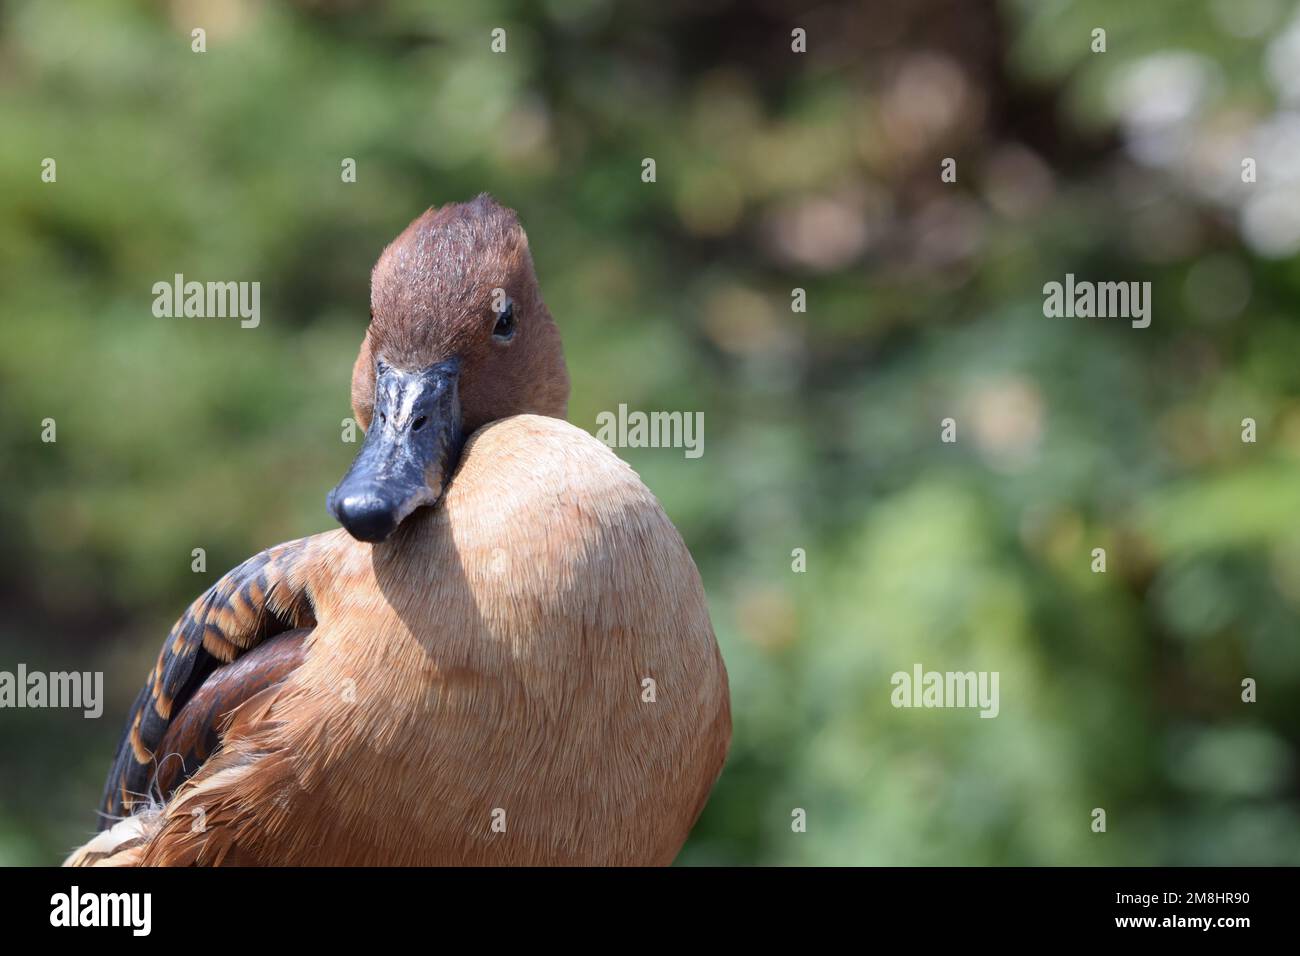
(431, 299)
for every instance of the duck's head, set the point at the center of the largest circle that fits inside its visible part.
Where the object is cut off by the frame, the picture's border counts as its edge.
(459, 337)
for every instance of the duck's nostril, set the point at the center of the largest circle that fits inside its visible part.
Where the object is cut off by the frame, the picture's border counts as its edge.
(366, 517)
(419, 423)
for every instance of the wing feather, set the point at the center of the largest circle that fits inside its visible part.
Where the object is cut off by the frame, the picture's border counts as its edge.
(264, 596)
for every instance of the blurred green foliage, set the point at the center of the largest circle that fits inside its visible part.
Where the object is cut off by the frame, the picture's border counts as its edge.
(775, 171)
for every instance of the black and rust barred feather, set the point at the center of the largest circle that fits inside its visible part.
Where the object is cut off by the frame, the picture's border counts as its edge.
(250, 604)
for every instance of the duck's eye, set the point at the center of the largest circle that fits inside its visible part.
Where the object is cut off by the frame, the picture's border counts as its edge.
(505, 327)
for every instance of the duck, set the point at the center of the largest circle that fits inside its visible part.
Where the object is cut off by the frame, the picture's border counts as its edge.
(503, 657)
